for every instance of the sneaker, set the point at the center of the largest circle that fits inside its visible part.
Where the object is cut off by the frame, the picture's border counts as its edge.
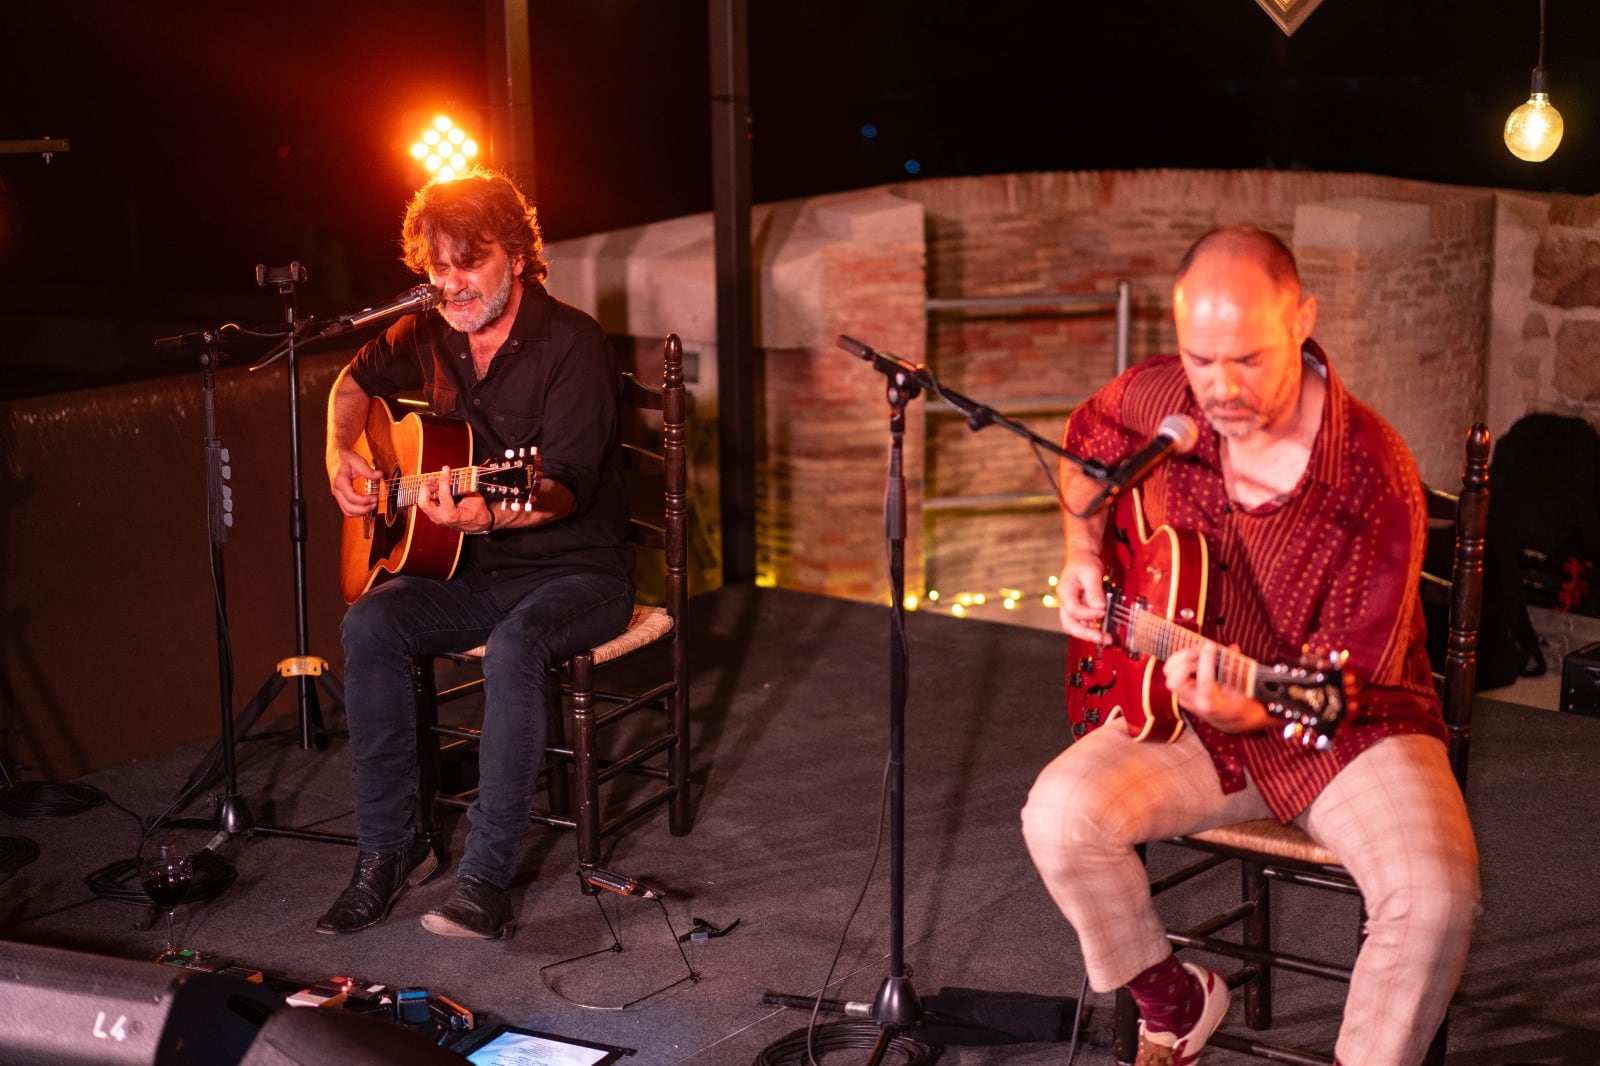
(1183, 1049)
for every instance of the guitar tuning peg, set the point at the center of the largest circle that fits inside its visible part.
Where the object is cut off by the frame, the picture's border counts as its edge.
(1323, 743)
(510, 454)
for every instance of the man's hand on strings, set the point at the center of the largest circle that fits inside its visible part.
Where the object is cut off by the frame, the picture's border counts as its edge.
(348, 476)
(470, 514)
(1191, 676)
(1083, 597)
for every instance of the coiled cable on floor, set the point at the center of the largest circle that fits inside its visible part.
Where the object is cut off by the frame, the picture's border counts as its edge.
(49, 799)
(856, 1034)
(15, 853)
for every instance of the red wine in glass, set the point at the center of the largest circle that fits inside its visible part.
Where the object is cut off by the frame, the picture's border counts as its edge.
(166, 875)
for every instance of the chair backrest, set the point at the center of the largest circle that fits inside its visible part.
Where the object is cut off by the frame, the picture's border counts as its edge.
(657, 473)
(1469, 513)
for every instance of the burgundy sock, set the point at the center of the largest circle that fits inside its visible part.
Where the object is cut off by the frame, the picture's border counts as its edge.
(1169, 997)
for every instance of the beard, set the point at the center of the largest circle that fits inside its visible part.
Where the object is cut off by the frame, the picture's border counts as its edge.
(491, 306)
(1233, 420)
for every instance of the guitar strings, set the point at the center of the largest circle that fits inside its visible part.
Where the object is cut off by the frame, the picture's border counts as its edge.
(1161, 637)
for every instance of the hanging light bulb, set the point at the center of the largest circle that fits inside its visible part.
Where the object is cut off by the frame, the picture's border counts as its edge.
(1533, 131)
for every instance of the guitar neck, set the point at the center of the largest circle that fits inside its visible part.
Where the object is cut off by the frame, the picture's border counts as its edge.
(1150, 634)
(405, 487)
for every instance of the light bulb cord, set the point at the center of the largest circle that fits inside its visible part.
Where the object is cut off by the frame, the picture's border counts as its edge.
(1540, 64)
(1539, 84)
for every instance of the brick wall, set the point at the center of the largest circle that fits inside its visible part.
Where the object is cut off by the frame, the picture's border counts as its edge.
(1427, 305)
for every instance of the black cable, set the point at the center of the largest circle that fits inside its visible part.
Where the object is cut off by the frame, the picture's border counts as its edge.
(15, 853)
(850, 1035)
(49, 799)
(212, 874)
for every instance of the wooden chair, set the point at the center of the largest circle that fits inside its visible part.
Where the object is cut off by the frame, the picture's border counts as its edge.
(1268, 852)
(657, 751)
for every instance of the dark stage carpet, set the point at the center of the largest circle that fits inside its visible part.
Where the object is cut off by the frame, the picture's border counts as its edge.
(791, 709)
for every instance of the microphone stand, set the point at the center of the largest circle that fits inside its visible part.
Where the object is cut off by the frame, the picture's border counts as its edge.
(233, 814)
(896, 1007)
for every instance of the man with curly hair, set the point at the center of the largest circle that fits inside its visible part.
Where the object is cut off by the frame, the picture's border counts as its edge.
(534, 585)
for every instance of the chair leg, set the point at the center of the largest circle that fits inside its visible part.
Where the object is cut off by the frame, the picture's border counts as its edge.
(679, 816)
(1125, 1029)
(585, 761)
(558, 772)
(423, 685)
(1256, 932)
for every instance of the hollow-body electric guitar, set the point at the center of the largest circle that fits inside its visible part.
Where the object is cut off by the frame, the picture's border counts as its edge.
(409, 451)
(1156, 584)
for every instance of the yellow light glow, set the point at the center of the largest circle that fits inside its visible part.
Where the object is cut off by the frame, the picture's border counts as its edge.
(445, 149)
(1533, 131)
(980, 599)
(911, 601)
(933, 595)
(1049, 600)
(958, 610)
(1053, 580)
(1009, 603)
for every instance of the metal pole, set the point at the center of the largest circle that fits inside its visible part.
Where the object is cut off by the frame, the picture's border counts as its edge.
(510, 63)
(730, 177)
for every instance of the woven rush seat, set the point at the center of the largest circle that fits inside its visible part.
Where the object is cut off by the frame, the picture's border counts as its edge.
(1272, 838)
(646, 626)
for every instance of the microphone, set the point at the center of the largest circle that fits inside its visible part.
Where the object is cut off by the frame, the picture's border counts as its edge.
(198, 338)
(417, 298)
(1177, 433)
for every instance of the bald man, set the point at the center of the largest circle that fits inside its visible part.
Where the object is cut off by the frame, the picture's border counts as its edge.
(1312, 511)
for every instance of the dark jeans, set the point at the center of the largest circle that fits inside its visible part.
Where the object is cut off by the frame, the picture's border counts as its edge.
(408, 616)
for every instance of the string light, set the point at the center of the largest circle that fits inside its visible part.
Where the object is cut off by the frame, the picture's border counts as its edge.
(966, 603)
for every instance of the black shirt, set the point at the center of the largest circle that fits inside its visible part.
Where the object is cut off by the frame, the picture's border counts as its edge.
(553, 384)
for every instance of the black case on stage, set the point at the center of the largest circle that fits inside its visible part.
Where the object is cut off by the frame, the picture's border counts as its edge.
(1580, 681)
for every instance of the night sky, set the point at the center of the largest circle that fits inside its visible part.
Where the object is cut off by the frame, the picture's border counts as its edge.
(207, 137)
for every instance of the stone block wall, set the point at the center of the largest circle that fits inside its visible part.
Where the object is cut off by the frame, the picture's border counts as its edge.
(1545, 345)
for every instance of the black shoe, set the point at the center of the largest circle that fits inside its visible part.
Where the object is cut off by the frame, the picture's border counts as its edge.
(379, 879)
(475, 909)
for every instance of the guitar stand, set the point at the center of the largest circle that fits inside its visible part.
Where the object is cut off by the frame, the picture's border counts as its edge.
(232, 814)
(592, 879)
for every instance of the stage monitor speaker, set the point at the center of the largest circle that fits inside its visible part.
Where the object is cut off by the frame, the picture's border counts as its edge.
(65, 1008)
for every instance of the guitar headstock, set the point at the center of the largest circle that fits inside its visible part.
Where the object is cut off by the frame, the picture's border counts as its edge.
(1314, 698)
(513, 481)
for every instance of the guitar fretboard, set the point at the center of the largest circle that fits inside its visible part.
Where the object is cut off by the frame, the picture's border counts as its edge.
(405, 488)
(1148, 633)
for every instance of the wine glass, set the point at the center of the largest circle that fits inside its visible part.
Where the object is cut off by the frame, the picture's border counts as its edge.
(166, 875)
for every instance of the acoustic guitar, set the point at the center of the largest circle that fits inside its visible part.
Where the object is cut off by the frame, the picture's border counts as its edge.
(1156, 583)
(409, 451)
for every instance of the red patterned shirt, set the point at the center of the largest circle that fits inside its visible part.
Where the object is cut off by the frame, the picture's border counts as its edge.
(1334, 565)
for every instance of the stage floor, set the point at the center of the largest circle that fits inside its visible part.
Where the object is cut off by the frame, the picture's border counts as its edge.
(790, 696)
